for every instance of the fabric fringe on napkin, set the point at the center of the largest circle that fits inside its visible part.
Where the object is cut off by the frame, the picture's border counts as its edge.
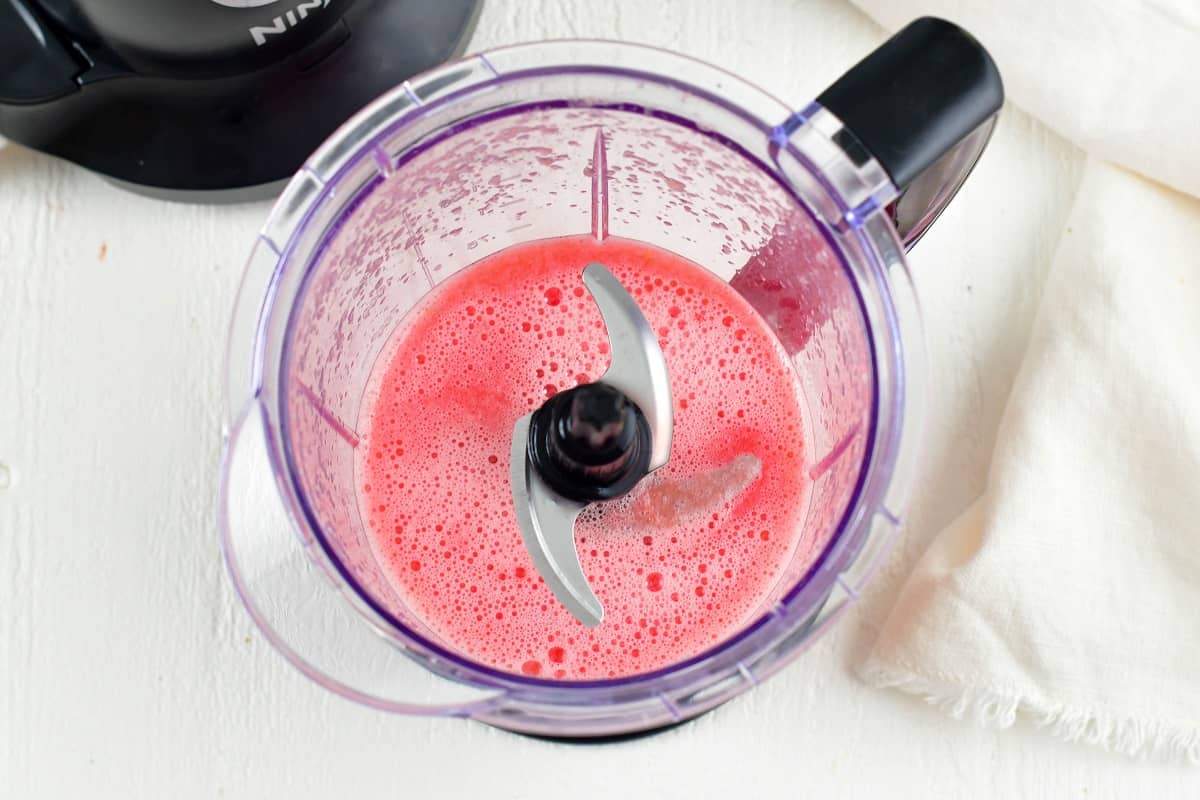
(992, 708)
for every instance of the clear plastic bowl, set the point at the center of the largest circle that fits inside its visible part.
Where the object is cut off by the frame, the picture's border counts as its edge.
(525, 143)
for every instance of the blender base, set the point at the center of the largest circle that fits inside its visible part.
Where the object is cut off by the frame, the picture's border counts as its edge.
(614, 738)
(238, 137)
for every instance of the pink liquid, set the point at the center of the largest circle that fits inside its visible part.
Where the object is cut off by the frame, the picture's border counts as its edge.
(682, 563)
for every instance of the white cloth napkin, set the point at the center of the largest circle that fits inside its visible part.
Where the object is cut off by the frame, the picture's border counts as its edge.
(1069, 593)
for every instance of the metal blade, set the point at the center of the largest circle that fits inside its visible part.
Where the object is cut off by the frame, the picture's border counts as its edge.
(638, 367)
(547, 522)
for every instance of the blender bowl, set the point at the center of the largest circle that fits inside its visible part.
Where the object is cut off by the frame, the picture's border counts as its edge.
(805, 214)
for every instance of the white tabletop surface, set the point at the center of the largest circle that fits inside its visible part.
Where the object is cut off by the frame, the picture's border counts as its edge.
(127, 667)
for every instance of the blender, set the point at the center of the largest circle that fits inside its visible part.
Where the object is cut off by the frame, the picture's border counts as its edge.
(207, 100)
(804, 216)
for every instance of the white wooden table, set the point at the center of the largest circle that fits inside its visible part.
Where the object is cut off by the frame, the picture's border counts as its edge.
(127, 667)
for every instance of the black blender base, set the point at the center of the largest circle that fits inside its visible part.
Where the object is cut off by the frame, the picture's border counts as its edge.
(243, 194)
(240, 137)
(616, 738)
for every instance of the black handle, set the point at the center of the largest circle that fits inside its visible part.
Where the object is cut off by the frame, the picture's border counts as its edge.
(916, 97)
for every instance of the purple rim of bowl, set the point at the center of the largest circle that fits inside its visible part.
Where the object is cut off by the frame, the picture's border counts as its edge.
(809, 591)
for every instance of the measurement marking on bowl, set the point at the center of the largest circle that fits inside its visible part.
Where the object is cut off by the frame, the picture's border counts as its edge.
(324, 413)
(516, 228)
(424, 264)
(416, 246)
(833, 455)
(599, 187)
